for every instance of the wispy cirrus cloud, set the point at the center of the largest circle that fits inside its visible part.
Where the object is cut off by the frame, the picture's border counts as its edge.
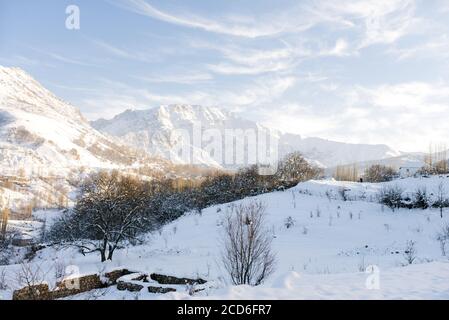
(239, 26)
(433, 47)
(119, 96)
(180, 78)
(123, 53)
(54, 56)
(377, 22)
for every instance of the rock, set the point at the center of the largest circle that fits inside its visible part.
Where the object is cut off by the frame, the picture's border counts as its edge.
(163, 279)
(114, 275)
(129, 286)
(160, 289)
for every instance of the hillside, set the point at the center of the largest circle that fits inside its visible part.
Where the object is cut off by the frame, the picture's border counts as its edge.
(324, 254)
(39, 131)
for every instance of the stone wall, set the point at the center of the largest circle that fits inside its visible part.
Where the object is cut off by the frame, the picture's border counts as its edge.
(68, 287)
(123, 278)
(35, 292)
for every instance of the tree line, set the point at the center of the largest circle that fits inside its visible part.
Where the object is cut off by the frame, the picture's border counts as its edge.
(113, 209)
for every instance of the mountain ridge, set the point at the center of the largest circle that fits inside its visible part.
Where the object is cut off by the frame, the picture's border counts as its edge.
(139, 127)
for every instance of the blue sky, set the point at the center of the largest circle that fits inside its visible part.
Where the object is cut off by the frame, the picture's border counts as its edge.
(372, 71)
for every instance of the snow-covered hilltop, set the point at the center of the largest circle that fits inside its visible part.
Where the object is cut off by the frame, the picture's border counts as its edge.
(39, 131)
(151, 130)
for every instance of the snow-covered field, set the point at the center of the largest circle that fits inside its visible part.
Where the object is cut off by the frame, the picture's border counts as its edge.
(335, 250)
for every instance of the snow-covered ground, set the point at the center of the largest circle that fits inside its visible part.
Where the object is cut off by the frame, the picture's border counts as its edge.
(324, 255)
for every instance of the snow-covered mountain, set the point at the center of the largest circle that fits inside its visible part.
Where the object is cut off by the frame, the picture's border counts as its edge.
(153, 129)
(163, 131)
(39, 131)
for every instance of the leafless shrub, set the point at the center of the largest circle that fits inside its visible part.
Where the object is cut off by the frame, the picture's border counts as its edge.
(318, 212)
(247, 254)
(410, 251)
(30, 276)
(441, 200)
(3, 284)
(59, 269)
(305, 230)
(343, 192)
(443, 238)
(289, 222)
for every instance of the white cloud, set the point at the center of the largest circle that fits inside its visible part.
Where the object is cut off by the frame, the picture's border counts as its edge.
(340, 49)
(407, 116)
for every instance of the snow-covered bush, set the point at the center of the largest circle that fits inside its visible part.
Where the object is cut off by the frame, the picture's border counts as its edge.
(421, 199)
(391, 196)
(247, 255)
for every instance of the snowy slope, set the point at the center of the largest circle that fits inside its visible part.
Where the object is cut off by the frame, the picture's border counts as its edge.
(151, 130)
(324, 255)
(39, 131)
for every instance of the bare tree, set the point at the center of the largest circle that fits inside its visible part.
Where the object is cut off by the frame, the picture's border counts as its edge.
(247, 254)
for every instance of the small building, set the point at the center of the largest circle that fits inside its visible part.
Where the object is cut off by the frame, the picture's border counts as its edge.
(406, 172)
